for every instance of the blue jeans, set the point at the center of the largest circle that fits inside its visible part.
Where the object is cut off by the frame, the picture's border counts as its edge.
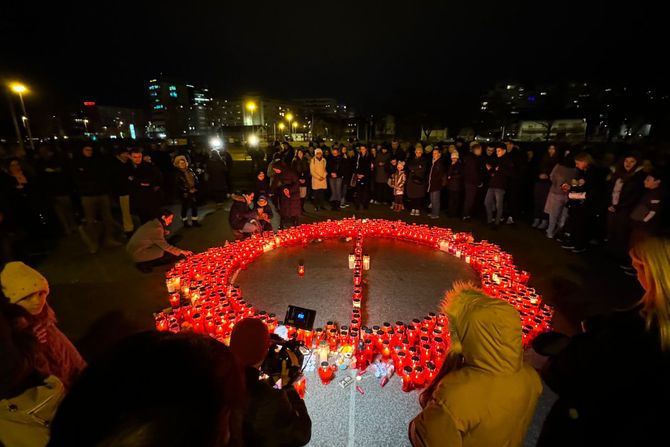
(435, 203)
(494, 201)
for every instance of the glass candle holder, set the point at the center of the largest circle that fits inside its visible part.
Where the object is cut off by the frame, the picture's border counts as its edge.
(407, 382)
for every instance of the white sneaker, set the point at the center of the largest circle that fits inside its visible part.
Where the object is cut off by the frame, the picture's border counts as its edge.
(510, 220)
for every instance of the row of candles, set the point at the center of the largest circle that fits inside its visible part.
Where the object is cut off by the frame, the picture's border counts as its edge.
(203, 297)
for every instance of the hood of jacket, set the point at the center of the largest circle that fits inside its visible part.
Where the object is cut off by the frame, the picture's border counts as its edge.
(487, 331)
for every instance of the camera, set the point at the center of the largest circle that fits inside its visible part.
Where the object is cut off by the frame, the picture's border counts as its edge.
(284, 359)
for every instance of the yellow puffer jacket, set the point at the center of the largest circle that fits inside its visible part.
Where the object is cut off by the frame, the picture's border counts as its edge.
(490, 401)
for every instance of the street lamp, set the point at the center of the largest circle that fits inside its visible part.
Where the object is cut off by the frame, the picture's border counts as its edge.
(295, 125)
(251, 106)
(20, 89)
(289, 118)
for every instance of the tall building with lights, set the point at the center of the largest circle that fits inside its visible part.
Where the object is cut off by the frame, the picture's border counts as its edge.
(178, 109)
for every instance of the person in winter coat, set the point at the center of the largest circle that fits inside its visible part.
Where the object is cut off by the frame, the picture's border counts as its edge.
(262, 186)
(397, 184)
(145, 191)
(90, 178)
(55, 176)
(557, 199)
(382, 171)
(335, 166)
(29, 397)
(455, 184)
(582, 199)
(417, 177)
(495, 195)
(542, 187)
(272, 417)
(218, 172)
(301, 165)
(485, 394)
(148, 247)
(264, 213)
(602, 399)
(187, 187)
(319, 173)
(627, 188)
(518, 170)
(289, 194)
(362, 177)
(120, 175)
(24, 305)
(23, 301)
(436, 180)
(645, 215)
(473, 179)
(243, 216)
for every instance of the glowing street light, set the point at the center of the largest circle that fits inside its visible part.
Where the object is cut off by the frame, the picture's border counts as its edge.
(251, 107)
(20, 89)
(282, 126)
(215, 143)
(253, 140)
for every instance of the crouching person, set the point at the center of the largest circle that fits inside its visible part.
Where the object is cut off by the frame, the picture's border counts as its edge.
(243, 217)
(148, 246)
(484, 394)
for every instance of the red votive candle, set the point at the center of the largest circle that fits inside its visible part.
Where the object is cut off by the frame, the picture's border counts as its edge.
(429, 372)
(407, 379)
(175, 299)
(417, 377)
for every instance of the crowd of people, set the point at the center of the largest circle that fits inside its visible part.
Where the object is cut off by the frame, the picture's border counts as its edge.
(160, 388)
(104, 194)
(562, 191)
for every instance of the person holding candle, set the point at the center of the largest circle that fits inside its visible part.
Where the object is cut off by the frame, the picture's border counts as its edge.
(243, 218)
(612, 379)
(397, 183)
(272, 417)
(484, 395)
(155, 389)
(264, 213)
(148, 247)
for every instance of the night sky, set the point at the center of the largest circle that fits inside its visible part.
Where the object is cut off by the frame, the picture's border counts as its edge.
(374, 55)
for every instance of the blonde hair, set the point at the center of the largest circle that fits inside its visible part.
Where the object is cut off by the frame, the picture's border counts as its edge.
(654, 253)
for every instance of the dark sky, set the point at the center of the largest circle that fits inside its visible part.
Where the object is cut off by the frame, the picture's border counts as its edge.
(376, 55)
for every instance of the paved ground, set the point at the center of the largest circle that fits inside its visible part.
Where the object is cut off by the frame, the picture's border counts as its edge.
(99, 298)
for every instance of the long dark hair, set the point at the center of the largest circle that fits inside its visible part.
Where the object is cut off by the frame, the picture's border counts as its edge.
(20, 351)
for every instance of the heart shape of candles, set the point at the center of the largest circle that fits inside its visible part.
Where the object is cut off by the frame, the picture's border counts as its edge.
(203, 297)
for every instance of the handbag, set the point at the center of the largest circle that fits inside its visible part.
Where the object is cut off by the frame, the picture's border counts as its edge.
(303, 192)
(352, 182)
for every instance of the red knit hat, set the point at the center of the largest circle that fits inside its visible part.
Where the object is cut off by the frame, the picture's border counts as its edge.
(250, 341)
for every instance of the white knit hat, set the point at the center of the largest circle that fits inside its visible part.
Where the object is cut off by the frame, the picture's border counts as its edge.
(19, 281)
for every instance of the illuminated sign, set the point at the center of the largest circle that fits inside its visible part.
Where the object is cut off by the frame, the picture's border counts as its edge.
(89, 103)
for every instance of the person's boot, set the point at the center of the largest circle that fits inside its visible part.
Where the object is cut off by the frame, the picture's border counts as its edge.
(536, 222)
(543, 224)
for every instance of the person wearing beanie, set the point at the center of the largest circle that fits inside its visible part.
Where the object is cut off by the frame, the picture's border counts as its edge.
(272, 417)
(265, 213)
(24, 305)
(187, 185)
(319, 174)
(485, 394)
(148, 247)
